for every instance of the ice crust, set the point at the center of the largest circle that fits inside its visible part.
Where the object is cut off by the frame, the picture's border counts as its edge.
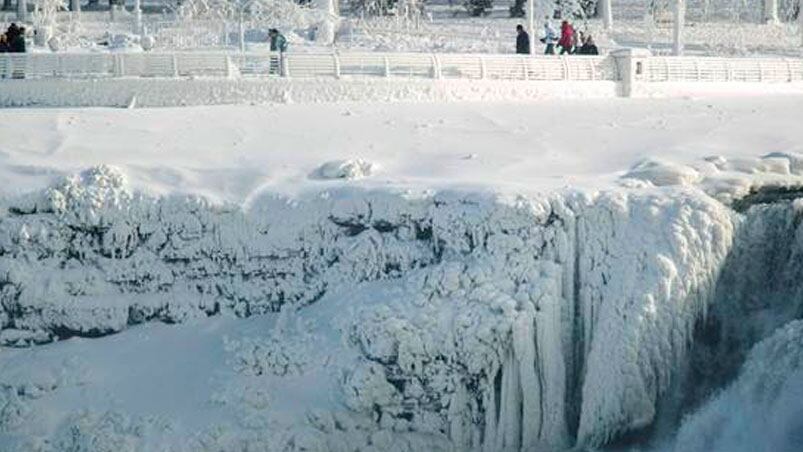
(453, 320)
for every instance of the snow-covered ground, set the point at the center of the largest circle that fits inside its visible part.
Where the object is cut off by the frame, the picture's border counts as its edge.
(231, 153)
(355, 276)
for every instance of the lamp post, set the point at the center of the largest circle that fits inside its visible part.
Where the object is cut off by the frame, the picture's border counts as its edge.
(606, 12)
(531, 24)
(680, 17)
(137, 16)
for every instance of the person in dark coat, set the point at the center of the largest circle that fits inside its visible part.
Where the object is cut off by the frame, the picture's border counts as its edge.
(17, 45)
(11, 33)
(588, 47)
(278, 43)
(522, 41)
(3, 43)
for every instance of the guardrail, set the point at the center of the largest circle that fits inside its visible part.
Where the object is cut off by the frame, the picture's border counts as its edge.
(685, 69)
(302, 65)
(626, 66)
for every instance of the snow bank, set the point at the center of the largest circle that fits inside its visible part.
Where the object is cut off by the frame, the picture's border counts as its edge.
(726, 179)
(709, 89)
(345, 169)
(659, 173)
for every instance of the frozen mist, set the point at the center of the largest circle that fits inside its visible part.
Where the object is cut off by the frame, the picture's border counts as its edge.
(402, 320)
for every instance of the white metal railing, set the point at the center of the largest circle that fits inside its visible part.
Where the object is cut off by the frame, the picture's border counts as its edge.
(709, 69)
(398, 65)
(303, 65)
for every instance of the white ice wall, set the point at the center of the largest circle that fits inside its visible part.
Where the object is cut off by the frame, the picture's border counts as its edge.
(519, 323)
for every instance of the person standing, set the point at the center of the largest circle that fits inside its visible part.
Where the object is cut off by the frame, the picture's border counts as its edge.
(522, 40)
(278, 43)
(11, 33)
(550, 38)
(588, 47)
(17, 45)
(566, 37)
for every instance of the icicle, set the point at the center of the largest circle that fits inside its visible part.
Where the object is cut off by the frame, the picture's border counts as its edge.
(457, 407)
(509, 423)
(489, 400)
(551, 366)
(524, 348)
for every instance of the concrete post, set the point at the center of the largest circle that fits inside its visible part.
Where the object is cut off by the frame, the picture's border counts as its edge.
(630, 66)
(75, 6)
(680, 19)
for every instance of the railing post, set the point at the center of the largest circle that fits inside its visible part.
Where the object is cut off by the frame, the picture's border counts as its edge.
(337, 65)
(483, 69)
(566, 72)
(790, 77)
(119, 66)
(667, 70)
(174, 62)
(5, 64)
(760, 71)
(524, 74)
(284, 64)
(387, 66)
(436, 67)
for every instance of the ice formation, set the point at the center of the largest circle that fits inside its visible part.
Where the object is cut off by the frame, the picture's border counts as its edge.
(450, 320)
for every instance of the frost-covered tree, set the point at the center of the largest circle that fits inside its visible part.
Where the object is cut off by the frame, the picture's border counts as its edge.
(478, 7)
(44, 18)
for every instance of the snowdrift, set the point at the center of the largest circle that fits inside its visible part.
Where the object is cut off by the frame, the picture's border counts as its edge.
(387, 319)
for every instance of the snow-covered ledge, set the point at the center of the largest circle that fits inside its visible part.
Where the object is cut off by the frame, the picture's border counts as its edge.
(166, 92)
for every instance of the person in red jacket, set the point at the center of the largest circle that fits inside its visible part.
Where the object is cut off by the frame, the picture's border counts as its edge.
(566, 37)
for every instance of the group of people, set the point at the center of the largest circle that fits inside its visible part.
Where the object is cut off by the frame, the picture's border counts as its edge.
(13, 40)
(570, 41)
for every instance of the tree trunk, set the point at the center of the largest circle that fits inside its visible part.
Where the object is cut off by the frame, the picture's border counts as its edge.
(800, 20)
(22, 10)
(771, 11)
(6, 5)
